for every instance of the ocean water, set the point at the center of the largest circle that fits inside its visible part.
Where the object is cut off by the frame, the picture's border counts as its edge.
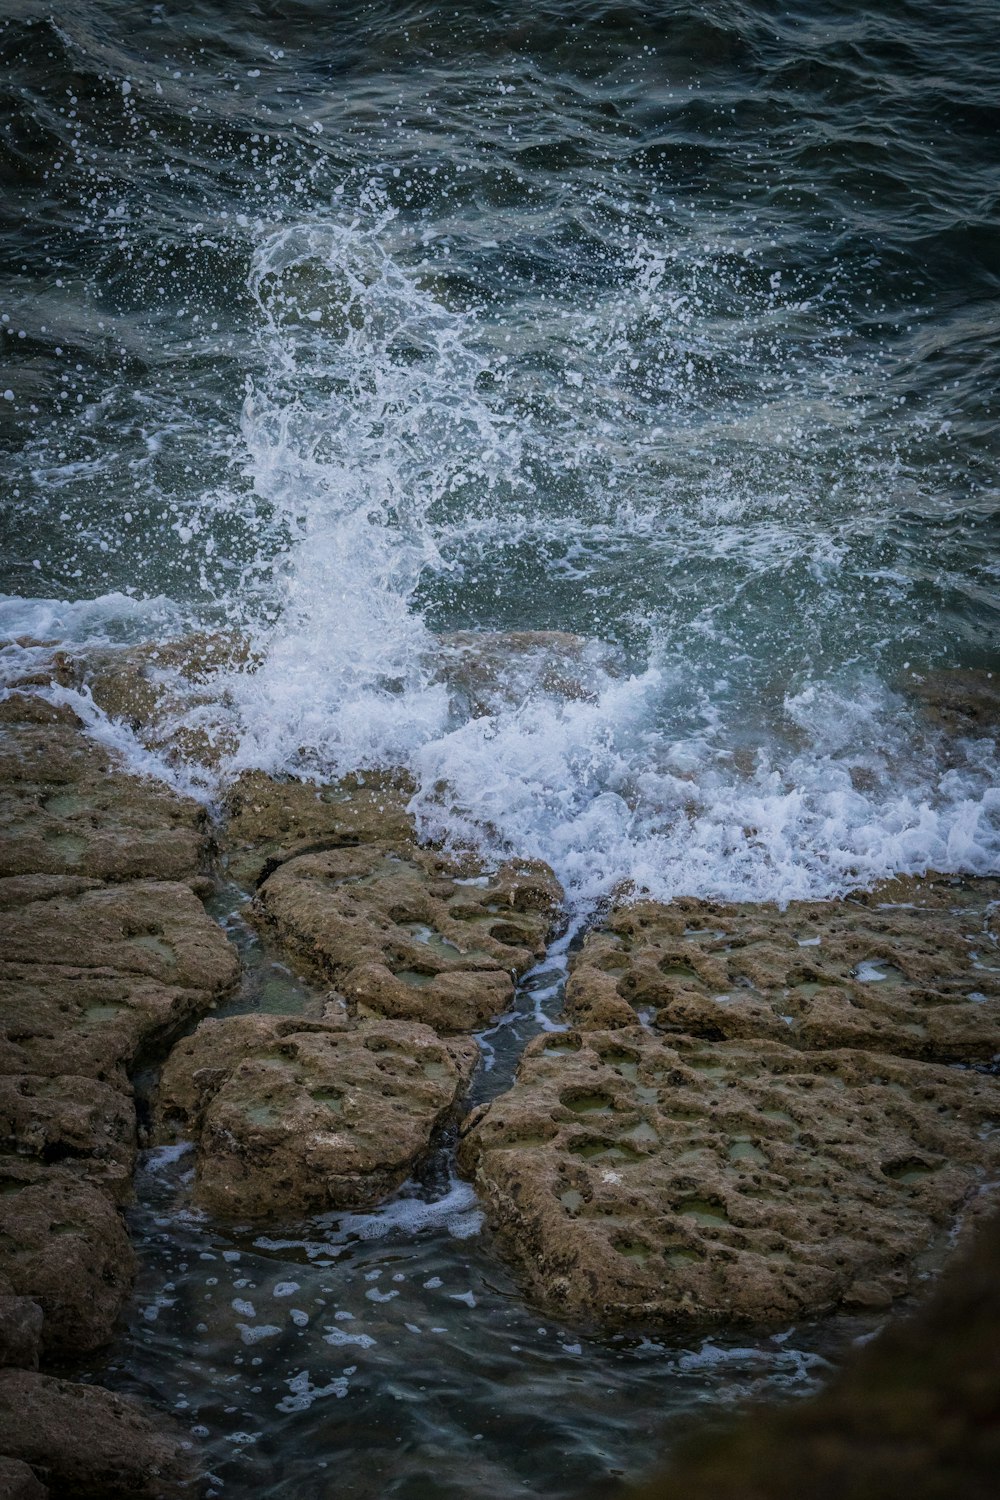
(674, 327)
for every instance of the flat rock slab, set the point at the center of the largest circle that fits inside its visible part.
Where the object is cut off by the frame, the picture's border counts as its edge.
(293, 1117)
(406, 932)
(916, 974)
(269, 820)
(636, 1178)
(91, 980)
(67, 807)
(87, 1443)
(63, 1245)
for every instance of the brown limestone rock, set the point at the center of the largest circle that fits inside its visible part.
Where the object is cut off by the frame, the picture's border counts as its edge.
(269, 821)
(920, 979)
(298, 1117)
(92, 980)
(171, 694)
(410, 933)
(64, 1246)
(65, 1118)
(68, 809)
(635, 1178)
(86, 1443)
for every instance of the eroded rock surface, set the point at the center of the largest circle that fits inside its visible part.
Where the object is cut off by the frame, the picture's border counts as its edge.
(85, 1443)
(641, 1177)
(914, 1416)
(916, 974)
(269, 820)
(107, 952)
(63, 1245)
(67, 809)
(294, 1117)
(93, 978)
(406, 932)
(745, 1122)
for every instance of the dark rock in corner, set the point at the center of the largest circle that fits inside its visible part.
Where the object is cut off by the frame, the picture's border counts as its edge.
(86, 1443)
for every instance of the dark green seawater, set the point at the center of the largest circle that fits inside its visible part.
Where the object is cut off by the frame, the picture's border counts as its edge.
(673, 326)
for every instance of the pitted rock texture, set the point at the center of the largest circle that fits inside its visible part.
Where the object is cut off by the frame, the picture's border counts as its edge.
(70, 1119)
(406, 932)
(915, 1415)
(67, 809)
(916, 974)
(85, 1443)
(269, 821)
(637, 1178)
(91, 980)
(98, 968)
(63, 1245)
(296, 1117)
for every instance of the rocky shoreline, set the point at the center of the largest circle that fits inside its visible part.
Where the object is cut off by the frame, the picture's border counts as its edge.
(751, 1115)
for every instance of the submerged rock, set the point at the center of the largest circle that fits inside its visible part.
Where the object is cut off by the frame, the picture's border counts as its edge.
(407, 932)
(85, 1443)
(493, 669)
(639, 1178)
(295, 1117)
(961, 702)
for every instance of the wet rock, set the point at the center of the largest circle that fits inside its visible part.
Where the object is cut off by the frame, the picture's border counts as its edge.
(919, 979)
(172, 695)
(962, 702)
(295, 1117)
(491, 670)
(914, 1416)
(18, 1482)
(63, 1118)
(21, 1320)
(410, 933)
(86, 1443)
(67, 808)
(64, 1246)
(269, 820)
(639, 1178)
(92, 980)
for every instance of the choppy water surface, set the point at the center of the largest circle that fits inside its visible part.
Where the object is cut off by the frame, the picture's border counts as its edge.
(672, 326)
